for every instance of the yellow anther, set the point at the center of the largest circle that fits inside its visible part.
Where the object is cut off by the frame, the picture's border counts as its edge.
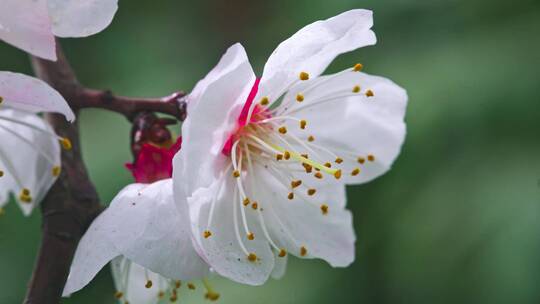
(308, 167)
(207, 234)
(355, 171)
(191, 286)
(264, 101)
(148, 284)
(311, 191)
(25, 196)
(287, 155)
(212, 296)
(304, 76)
(279, 156)
(303, 124)
(1, 99)
(282, 130)
(282, 253)
(337, 174)
(324, 209)
(290, 196)
(251, 236)
(310, 138)
(305, 155)
(356, 89)
(1, 173)
(56, 171)
(66, 143)
(177, 284)
(328, 165)
(339, 160)
(303, 251)
(246, 201)
(161, 294)
(358, 67)
(371, 157)
(296, 183)
(118, 294)
(361, 160)
(369, 93)
(252, 257)
(299, 97)
(25, 191)
(318, 175)
(236, 173)
(254, 206)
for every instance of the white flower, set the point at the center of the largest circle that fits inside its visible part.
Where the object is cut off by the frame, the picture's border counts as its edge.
(30, 150)
(137, 227)
(264, 163)
(32, 24)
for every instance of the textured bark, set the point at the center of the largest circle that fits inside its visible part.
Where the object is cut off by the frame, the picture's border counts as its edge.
(72, 203)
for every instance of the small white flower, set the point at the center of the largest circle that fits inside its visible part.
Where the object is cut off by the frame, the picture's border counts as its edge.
(30, 150)
(264, 163)
(136, 229)
(32, 24)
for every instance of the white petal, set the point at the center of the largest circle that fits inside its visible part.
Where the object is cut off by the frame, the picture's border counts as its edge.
(313, 48)
(31, 94)
(158, 234)
(94, 251)
(358, 124)
(300, 222)
(27, 156)
(81, 18)
(213, 111)
(26, 25)
(222, 249)
(143, 224)
(137, 276)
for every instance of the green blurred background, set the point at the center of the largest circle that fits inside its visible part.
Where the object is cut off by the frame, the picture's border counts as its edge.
(455, 221)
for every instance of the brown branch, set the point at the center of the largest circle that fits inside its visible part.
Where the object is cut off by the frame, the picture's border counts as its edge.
(173, 104)
(72, 203)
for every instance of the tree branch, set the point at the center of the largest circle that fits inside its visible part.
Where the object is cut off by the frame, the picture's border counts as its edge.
(173, 104)
(72, 203)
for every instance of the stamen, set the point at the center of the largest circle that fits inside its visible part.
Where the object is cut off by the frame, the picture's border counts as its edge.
(207, 234)
(304, 76)
(358, 67)
(279, 156)
(246, 201)
(306, 160)
(66, 143)
(324, 209)
(339, 160)
(311, 138)
(148, 284)
(299, 97)
(355, 171)
(303, 124)
(318, 175)
(177, 284)
(1, 173)
(371, 157)
(356, 89)
(251, 236)
(254, 206)
(236, 173)
(282, 130)
(290, 196)
(311, 192)
(287, 155)
(296, 183)
(191, 286)
(25, 196)
(282, 253)
(264, 101)
(361, 160)
(118, 294)
(55, 171)
(210, 293)
(303, 251)
(369, 93)
(252, 257)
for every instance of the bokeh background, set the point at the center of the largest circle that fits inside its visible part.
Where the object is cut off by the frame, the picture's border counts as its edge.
(457, 218)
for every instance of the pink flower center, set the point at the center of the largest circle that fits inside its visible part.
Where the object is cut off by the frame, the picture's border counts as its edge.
(259, 113)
